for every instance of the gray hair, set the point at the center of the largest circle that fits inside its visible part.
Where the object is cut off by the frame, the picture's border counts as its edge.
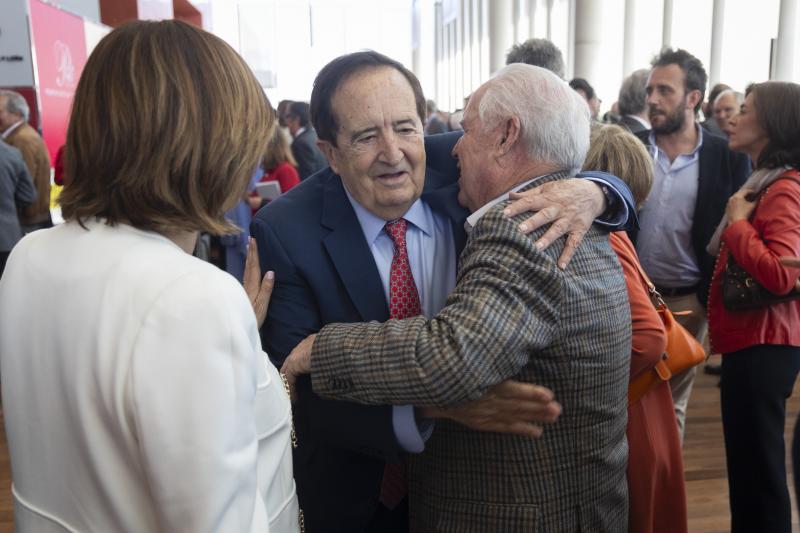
(16, 104)
(539, 53)
(739, 96)
(632, 98)
(554, 118)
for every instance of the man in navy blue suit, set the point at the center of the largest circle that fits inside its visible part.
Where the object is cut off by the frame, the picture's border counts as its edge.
(332, 257)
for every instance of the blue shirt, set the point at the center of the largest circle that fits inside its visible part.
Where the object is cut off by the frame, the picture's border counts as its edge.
(664, 243)
(433, 260)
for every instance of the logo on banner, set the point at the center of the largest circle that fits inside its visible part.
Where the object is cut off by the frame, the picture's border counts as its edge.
(64, 65)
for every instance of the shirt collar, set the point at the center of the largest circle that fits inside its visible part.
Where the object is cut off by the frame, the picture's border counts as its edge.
(476, 216)
(372, 225)
(299, 132)
(652, 138)
(11, 128)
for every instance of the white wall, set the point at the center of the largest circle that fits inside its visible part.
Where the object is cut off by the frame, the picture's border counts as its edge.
(286, 42)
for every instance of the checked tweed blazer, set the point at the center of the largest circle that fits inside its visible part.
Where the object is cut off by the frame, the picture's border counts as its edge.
(513, 313)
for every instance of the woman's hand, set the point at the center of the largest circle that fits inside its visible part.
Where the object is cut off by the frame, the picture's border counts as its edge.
(258, 289)
(739, 207)
(793, 262)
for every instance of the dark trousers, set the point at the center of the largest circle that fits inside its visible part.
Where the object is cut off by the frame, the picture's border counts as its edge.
(754, 386)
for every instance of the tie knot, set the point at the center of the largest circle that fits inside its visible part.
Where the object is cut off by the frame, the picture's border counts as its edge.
(397, 231)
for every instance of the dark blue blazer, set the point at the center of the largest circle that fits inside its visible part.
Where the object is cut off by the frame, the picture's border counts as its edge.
(324, 272)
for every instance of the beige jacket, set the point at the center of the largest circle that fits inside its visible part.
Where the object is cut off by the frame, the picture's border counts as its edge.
(34, 153)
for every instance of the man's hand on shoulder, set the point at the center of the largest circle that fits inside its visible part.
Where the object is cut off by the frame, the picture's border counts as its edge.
(569, 206)
(298, 363)
(509, 407)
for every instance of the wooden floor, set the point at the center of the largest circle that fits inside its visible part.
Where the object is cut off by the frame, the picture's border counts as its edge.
(706, 483)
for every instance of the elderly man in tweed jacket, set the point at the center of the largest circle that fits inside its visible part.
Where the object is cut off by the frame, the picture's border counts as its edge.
(512, 313)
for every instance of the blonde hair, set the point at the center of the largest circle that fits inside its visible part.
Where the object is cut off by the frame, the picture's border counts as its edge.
(615, 150)
(167, 127)
(278, 151)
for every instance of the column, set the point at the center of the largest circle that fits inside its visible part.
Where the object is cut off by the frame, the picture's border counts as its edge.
(440, 85)
(629, 38)
(787, 26)
(476, 35)
(466, 32)
(666, 32)
(532, 14)
(588, 37)
(501, 32)
(717, 29)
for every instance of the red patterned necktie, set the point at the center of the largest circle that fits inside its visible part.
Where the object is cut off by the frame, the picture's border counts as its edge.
(403, 303)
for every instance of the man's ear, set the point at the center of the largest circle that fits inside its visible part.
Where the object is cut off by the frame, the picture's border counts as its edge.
(511, 130)
(693, 98)
(329, 151)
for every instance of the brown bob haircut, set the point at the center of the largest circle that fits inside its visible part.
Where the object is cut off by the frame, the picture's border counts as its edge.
(615, 150)
(777, 109)
(167, 127)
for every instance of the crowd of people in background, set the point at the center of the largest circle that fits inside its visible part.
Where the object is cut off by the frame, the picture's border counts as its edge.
(459, 303)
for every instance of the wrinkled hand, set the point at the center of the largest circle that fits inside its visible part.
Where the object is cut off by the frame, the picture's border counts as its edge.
(508, 407)
(298, 363)
(793, 262)
(571, 205)
(739, 207)
(258, 289)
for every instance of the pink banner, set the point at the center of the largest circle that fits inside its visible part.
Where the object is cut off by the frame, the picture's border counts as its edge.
(60, 53)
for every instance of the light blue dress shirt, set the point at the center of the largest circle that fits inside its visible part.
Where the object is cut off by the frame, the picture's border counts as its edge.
(664, 243)
(432, 256)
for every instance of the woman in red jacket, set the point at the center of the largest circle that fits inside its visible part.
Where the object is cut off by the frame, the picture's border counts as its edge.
(280, 166)
(760, 347)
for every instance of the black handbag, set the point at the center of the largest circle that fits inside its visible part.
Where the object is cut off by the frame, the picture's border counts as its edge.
(741, 292)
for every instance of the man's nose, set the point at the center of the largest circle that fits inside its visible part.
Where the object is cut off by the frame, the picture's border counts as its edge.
(390, 149)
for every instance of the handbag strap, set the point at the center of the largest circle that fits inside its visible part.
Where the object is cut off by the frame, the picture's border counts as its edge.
(791, 177)
(655, 296)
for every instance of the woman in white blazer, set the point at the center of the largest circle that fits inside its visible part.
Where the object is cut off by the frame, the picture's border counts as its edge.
(136, 394)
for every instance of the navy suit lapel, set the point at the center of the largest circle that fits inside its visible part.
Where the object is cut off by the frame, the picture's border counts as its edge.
(351, 255)
(444, 199)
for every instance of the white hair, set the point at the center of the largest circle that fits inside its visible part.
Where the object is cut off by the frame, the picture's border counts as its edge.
(739, 96)
(554, 118)
(16, 104)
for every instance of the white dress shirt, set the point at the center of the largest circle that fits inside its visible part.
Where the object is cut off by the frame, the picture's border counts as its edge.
(664, 243)
(433, 260)
(11, 129)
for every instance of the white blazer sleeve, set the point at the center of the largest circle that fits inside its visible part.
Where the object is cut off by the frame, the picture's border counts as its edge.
(192, 390)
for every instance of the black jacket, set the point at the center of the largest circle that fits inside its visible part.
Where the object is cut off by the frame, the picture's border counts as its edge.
(308, 156)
